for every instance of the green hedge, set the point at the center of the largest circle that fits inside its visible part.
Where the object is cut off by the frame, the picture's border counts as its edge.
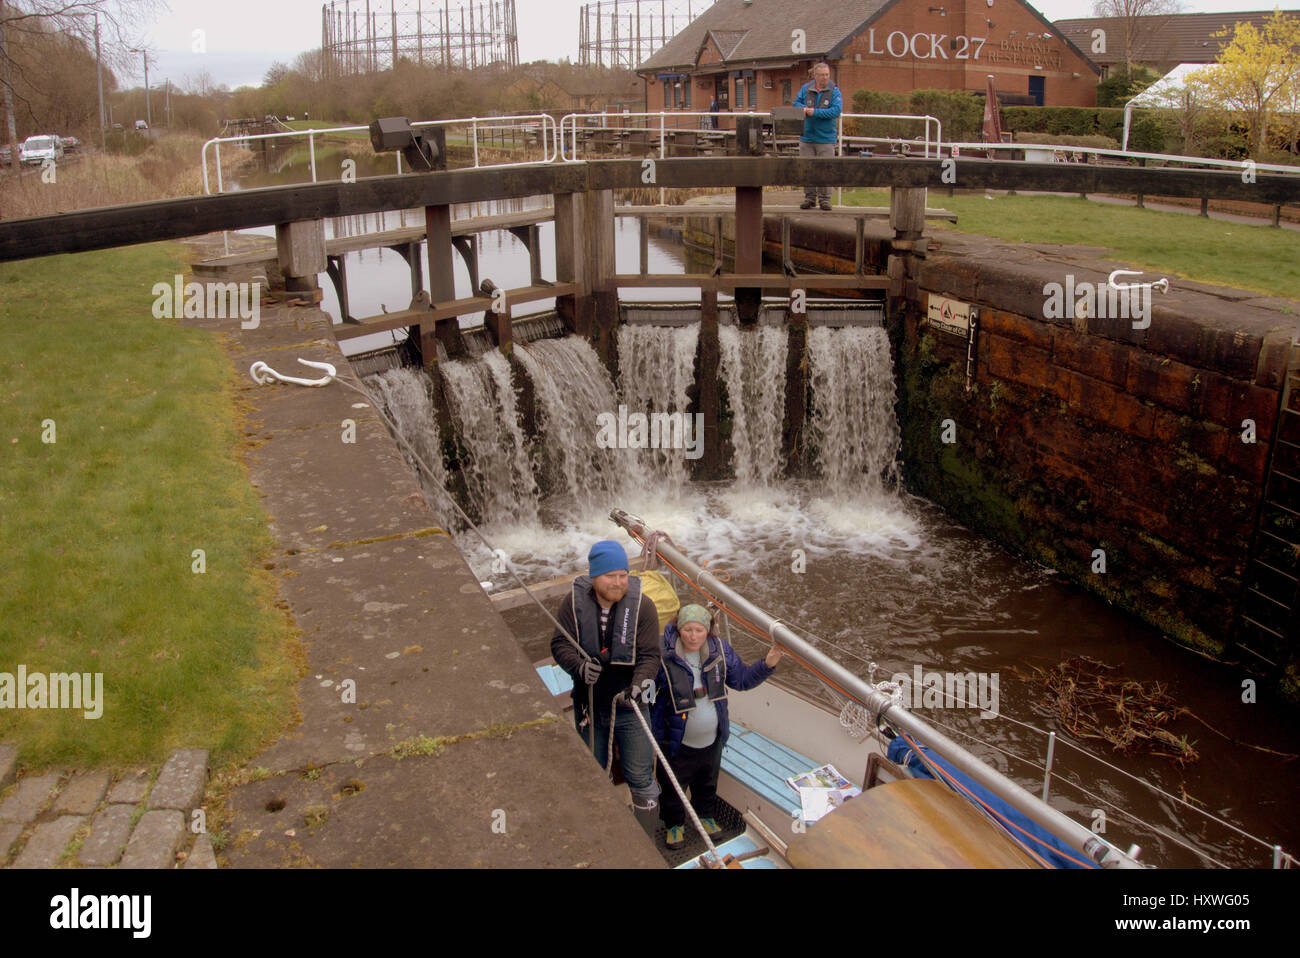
(962, 114)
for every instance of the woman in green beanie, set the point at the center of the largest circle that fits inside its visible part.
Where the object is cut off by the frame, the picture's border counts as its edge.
(690, 713)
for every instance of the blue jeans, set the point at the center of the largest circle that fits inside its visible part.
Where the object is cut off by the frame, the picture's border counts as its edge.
(635, 753)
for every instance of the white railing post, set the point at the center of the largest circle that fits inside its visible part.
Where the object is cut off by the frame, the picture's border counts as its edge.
(311, 149)
(1047, 771)
(217, 151)
(474, 133)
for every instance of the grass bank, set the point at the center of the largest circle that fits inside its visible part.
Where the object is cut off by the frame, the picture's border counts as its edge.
(98, 527)
(1178, 244)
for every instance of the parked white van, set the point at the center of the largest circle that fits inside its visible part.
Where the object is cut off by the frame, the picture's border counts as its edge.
(38, 149)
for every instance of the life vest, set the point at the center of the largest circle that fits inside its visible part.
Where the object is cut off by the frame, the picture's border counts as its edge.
(681, 685)
(623, 615)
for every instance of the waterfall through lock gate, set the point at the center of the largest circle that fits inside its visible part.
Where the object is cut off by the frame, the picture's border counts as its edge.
(404, 396)
(545, 496)
(753, 369)
(656, 371)
(853, 425)
(498, 475)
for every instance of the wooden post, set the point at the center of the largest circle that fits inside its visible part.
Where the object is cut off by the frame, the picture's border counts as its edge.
(907, 219)
(571, 264)
(301, 250)
(442, 287)
(712, 465)
(598, 234)
(749, 250)
(1205, 207)
(796, 392)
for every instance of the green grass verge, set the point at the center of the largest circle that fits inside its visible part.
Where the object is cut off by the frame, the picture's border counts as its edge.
(97, 528)
(1212, 251)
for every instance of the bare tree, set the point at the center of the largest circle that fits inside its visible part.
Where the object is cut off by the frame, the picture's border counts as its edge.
(1141, 24)
(118, 22)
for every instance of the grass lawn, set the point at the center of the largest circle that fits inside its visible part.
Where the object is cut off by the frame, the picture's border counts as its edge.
(98, 528)
(1177, 244)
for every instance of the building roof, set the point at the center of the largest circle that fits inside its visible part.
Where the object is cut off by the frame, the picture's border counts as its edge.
(1171, 38)
(763, 28)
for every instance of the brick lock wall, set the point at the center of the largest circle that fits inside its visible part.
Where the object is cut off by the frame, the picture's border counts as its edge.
(1084, 435)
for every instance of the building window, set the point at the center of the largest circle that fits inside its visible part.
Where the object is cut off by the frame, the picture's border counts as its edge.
(753, 94)
(686, 94)
(785, 93)
(668, 95)
(740, 92)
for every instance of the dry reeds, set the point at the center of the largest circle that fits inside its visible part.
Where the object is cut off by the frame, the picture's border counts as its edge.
(169, 167)
(1132, 716)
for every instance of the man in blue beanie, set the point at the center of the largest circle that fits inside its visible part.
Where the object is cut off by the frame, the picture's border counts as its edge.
(617, 656)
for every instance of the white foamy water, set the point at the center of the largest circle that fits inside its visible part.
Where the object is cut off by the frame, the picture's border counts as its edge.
(404, 395)
(656, 369)
(753, 368)
(852, 423)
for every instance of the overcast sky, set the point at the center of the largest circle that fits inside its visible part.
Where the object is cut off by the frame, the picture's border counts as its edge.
(244, 37)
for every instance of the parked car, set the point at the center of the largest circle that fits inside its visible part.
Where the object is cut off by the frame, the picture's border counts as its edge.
(5, 154)
(141, 125)
(70, 144)
(38, 149)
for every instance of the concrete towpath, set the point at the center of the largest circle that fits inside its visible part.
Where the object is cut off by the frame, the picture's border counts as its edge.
(426, 738)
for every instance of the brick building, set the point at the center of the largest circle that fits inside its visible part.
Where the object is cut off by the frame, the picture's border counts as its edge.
(1159, 42)
(755, 54)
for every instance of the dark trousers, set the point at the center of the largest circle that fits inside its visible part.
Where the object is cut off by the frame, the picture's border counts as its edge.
(697, 772)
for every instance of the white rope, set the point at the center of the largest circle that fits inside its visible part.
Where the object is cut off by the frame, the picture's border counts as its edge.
(668, 770)
(264, 375)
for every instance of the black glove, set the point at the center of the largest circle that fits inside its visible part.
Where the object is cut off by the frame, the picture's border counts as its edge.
(589, 671)
(628, 698)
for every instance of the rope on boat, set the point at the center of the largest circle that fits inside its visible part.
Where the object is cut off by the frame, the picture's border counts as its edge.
(668, 770)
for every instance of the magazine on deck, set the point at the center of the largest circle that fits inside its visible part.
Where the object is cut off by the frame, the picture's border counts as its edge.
(827, 776)
(821, 791)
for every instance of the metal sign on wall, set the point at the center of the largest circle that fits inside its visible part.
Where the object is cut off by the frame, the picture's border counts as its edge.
(949, 315)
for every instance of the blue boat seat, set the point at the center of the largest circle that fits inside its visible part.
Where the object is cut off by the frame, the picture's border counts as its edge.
(763, 766)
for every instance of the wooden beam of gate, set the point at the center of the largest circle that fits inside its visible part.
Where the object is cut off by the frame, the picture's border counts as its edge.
(193, 216)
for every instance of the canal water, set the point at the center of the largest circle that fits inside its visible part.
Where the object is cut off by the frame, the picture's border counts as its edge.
(883, 581)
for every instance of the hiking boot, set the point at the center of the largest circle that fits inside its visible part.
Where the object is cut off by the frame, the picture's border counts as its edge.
(710, 826)
(826, 205)
(807, 205)
(675, 837)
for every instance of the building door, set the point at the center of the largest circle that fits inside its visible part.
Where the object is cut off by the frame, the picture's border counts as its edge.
(721, 91)
(1036, 85)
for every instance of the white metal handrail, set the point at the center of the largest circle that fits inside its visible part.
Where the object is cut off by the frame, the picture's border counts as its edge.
(547, 135)
(938, 130)
(1235, 165)
(622, 123)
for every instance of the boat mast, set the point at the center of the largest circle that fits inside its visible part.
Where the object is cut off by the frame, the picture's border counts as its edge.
(880, 706)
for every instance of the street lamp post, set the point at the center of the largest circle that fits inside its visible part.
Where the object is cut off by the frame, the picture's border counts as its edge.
(99, 77)
(148, 114)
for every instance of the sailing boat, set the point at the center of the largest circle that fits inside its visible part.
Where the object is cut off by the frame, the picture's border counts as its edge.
(925, 801)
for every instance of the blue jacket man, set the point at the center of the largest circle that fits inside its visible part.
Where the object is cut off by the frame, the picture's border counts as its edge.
(822, 105)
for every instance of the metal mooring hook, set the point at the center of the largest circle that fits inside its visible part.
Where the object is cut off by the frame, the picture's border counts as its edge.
(264, 375)
(1162, 283)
